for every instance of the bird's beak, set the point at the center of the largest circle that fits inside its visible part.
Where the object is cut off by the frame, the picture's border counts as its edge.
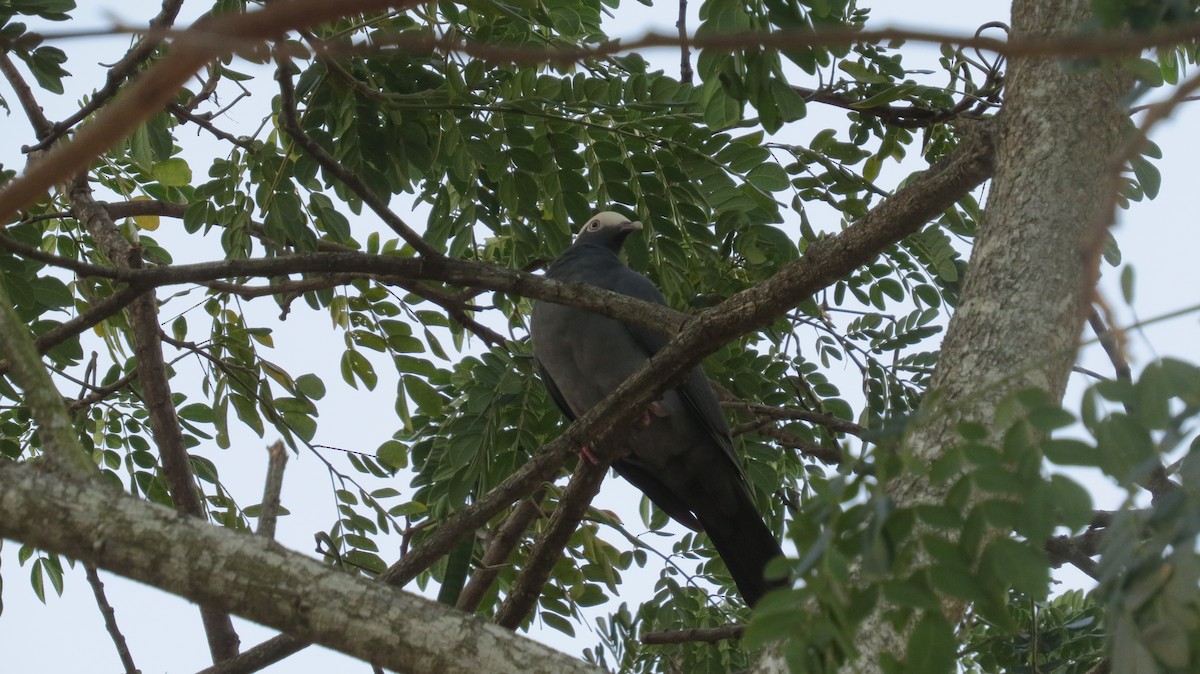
(630, 226)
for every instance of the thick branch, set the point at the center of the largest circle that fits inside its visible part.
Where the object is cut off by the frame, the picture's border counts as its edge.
(259, 580)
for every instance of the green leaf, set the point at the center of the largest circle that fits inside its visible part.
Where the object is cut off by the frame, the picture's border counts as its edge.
(557, 622)
(932, 647)
(427, 398)
(721, 110)
(1148, 176)
(768, 177)
(355, 365)
(1020, 564)
(311, 386)
(173, 172)
(46, 65)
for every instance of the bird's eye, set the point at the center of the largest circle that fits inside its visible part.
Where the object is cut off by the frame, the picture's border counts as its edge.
(594, 225)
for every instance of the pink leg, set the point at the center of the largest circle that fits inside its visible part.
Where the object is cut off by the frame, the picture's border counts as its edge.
(586, 453)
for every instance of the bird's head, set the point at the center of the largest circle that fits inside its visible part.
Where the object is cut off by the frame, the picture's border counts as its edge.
(607, 229)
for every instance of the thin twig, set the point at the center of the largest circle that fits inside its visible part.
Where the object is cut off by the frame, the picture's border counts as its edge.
(1110, 339)
(99, 393)
(833, 423)
(201, 121)
(829, 455)
(110, 620)
(685, 50)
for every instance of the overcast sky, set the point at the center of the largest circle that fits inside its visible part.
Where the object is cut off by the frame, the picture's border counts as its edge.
(164, 632)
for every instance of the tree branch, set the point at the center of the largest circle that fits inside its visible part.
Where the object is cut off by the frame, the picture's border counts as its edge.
(158, 85)
(223, 641)
(110, 620)
(685, 53)
(707, 635)
(258, 579)
(503, 541)
(291, 125)
(833, 423)
(522, 597)
(272, 486)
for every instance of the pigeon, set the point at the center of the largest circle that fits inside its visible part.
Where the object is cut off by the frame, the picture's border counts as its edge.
(680, 452)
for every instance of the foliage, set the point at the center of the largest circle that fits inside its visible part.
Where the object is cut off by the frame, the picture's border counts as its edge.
(504, 158)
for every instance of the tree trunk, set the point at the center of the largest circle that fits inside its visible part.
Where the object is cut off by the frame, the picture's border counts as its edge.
(1027, 289)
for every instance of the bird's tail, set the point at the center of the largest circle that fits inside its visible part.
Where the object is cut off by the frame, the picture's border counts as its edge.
(746, 545)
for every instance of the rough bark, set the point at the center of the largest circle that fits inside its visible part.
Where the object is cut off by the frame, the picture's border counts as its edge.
(1026, 292)
(259, 580)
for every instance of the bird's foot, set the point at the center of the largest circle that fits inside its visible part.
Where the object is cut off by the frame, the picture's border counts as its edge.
(585, 453)
(654, 409)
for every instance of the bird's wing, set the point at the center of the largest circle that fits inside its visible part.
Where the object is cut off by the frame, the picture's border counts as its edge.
(695, 390)
(555, 394)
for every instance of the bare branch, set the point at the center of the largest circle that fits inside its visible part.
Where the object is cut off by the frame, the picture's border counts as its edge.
(685, 53)
(33, 111)
(101, 392)
(833, 423)
(223, 641)
(183, 114)
(1077, 551)
(1113, 345)
(110, 620)
(829, 455)
(273, 485)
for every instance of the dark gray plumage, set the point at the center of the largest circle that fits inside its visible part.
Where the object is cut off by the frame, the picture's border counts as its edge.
(681, 453)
